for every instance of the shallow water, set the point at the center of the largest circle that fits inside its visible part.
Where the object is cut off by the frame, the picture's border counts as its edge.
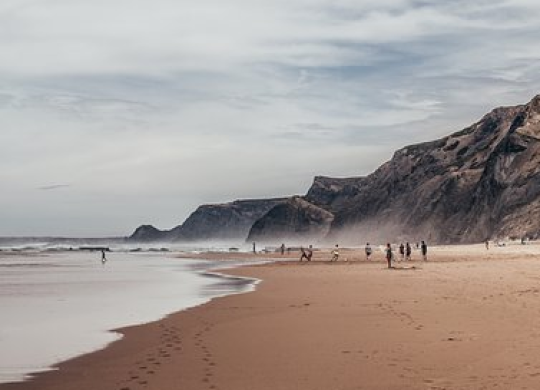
(58, 306)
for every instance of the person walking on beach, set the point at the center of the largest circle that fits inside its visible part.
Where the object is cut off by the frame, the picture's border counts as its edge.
(408, 251)
(335, 253)
(369, 251)
(254, 247)
(423, 247)
(304, 254)
(487, 244)
(402, 251)
(103, 258)
(282, 249)
(389, 255)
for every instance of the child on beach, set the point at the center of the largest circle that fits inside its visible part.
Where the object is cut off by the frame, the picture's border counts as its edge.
(408, 251)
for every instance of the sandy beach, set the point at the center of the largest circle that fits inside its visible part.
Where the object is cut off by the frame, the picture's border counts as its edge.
(466, 319)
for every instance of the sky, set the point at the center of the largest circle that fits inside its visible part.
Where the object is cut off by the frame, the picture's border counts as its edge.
(117, 113)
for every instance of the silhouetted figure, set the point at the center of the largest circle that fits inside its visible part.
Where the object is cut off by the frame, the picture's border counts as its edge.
(402, 251)
(254, 247)
(487, 244)
(423, 247)
(369, 251)
(304, 254)
(282, 249)
(408, 251)
(103, 257)
(389, 255)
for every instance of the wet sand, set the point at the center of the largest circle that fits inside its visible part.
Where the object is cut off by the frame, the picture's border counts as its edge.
(466, 319)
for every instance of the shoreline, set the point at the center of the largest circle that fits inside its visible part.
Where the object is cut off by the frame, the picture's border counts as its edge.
(463, 322)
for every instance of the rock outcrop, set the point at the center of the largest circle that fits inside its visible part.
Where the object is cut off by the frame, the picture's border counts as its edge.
(295, 220)
(148, 233)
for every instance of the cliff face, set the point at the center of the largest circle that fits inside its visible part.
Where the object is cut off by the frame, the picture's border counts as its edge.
(482, 182)
(222, 222)
(226, 221)
(479, 183)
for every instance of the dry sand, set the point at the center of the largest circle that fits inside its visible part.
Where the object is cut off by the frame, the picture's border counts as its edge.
(466, 319)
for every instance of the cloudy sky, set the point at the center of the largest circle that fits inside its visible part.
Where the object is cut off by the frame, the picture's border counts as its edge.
(115, 113)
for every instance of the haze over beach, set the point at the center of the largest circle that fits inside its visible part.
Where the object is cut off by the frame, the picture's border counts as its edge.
(269, 195)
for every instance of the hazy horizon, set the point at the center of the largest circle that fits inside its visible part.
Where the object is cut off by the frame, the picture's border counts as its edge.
(116, 114)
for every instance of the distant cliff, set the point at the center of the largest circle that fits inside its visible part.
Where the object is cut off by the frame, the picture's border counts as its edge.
(481, 182)
(221, 222)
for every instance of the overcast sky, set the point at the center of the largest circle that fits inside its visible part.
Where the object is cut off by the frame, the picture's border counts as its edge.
(115, 113)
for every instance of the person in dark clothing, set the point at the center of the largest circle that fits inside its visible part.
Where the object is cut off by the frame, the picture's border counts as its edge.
(389, 255)
(423, 247)
(408, 251)
(304, 254)
(402, 251)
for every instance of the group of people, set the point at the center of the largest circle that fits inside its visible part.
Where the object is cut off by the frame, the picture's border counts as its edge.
(405, 252)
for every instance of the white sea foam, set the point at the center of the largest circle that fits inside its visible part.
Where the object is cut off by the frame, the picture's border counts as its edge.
(62, 305)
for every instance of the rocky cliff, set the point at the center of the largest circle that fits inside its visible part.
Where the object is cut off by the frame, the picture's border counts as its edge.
(220, 222)
(481, 182)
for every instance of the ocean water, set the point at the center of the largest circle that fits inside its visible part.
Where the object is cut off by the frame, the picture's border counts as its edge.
(56, 306)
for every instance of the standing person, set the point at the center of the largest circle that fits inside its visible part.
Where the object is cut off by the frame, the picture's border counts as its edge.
(254, 247)
(282, 249)
(369, 251)
(103, 258)
(389, 255)
(335, 253)
(423, 247)
(402, 251)
(487, 244)
(408, 251)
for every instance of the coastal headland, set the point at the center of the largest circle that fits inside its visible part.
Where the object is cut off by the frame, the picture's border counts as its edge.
(465, 319)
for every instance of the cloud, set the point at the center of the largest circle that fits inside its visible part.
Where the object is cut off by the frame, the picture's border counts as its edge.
(53, 187)
(150, 108)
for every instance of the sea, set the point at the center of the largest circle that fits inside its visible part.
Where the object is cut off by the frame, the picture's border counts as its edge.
(58, 302)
